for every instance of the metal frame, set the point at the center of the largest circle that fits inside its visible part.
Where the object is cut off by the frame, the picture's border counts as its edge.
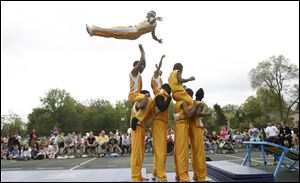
(281, 158)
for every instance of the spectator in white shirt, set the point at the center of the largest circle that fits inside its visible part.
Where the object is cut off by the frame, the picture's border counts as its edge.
(125, 143)
(272, 134)
(25, 153)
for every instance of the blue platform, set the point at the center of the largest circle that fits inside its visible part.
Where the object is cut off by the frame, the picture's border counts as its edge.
(225, 171)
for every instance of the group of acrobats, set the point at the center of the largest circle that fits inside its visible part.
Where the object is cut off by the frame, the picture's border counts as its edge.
(188, 127)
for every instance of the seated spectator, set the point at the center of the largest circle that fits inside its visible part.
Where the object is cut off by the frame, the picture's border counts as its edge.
(4, 150)
(238, 137)
(102, 141)
(148, 142)
(53, 136)
(60, 141)
(79, 146)
(170, 142)
(42, 153)
(125, 143)
(296, 135)
(224, 133)
(207, 143)
(2, 139)
(113, 145)
(52, 151)
(246, 136)
(272, 134)
(214, 140)
(25, 153)
(14, 153)
(91, 144)
(74, 136)
(253, 133)
(70, 145)
(12, 142)
(34, 151)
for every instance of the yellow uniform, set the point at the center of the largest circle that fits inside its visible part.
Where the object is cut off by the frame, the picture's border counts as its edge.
(135, 96)
(197, 143)
(181, 150)
(178, 92)
(124, 32)
(156, 84)
(159, 132)
(137, 144)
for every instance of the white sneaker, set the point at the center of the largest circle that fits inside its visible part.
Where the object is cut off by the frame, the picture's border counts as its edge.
(153, 178)
(89, 29)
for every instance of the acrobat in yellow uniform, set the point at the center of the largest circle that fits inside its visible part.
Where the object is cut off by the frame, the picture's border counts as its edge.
(178, 92)
(159, 132)
(128, 32)
(135, 96)
(197, 143)
(181, 149)
(137, 144)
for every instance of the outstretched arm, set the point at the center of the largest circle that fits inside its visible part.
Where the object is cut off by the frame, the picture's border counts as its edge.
(141, 63)
(200, 113)
(155, 38)
(181, 80)
(156, 72)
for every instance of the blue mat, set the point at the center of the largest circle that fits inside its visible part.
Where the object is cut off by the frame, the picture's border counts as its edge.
(231, 172)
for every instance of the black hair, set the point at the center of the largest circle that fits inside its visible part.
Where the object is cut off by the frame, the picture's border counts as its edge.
(135, 63)
(199, 94)
(167, 88)
(190, 92)
(145, 92)
(178, 66)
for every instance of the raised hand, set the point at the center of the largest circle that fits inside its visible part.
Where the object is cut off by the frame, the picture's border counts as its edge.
(159, 18)
(192, 78)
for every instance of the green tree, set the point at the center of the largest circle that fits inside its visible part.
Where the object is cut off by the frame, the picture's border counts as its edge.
(59, 110)
(13, 123)
(220, 117)
(280, 77)
(229, 112)
(41, 120)
(209, 122)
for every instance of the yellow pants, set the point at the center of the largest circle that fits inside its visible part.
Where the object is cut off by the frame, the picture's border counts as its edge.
(198, 152)
(159, 132)
(137, 153)
(181, 151)
(183, 96)
(119, 32)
